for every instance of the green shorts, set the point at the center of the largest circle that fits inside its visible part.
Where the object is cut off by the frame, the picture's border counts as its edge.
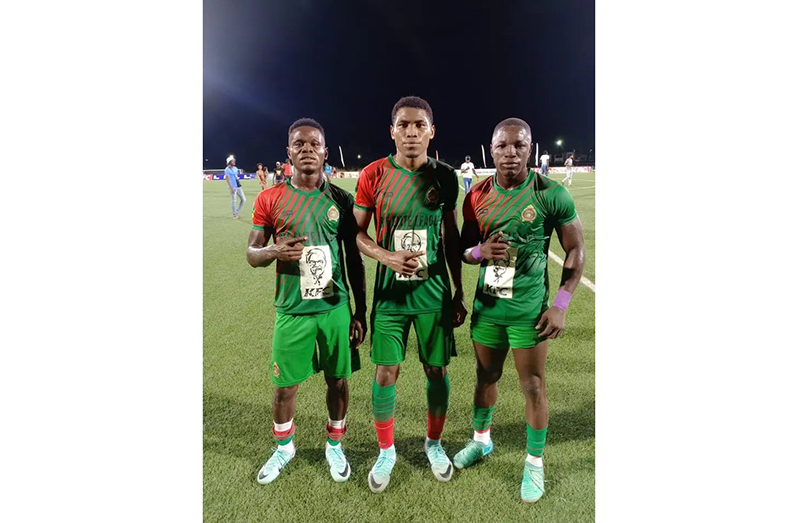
(306, 344)
(389, 334)
(504, 336)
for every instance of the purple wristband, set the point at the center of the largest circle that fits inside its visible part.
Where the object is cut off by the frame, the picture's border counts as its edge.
(476, 253)
(562, 300)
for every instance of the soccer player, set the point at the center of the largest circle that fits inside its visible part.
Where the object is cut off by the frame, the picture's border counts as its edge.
(231, 173)
(544, 163)
(310, 219)
(468, 172)
(261, 177)
(569, 169)
(413, 197)
(507, 224)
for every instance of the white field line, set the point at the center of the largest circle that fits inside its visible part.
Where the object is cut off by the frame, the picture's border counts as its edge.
(589, 284)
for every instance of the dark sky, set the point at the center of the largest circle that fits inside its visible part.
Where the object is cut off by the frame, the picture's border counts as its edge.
(345, 63)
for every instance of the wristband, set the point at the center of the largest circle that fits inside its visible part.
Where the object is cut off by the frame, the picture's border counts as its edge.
(562, 300)
(476, 253)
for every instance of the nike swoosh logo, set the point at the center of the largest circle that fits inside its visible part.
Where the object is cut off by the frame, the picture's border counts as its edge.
(374, 483)
(345, 471)
(448, 471)
(261, 475)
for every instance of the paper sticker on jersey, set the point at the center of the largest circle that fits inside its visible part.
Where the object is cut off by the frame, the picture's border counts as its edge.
(315, 273)
(413, 241)
(499, 276)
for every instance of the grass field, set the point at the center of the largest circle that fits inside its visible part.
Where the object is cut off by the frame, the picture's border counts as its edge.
(237, 393)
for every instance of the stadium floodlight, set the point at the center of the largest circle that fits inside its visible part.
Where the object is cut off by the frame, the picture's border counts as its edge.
(358, 157)
(559, 142)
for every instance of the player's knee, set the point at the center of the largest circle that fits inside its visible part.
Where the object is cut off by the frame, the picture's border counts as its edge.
(338, 384)
(434, 373)
(285, 394)
(534, 388)
(488, 377)
(386, 375)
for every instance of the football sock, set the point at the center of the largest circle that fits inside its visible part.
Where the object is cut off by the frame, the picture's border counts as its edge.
(535, 440)
(335, 431)
(437, 405)
(480, 419)
(284, 434)
(383, 406)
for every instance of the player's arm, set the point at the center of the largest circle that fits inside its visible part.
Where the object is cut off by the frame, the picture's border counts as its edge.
(451, 247)
(261, 255)
(572, 240)
(356, 272)
(473, 252)
(401, 262)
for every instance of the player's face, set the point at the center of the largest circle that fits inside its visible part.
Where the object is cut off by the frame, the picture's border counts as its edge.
(411, 132)
(510, 149)
(306, 149)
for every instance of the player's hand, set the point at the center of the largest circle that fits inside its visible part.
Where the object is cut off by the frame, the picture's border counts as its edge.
(495, 248)
(289, 249)
(404, 262)
(552, 322)
(357, 329)
(459, 311)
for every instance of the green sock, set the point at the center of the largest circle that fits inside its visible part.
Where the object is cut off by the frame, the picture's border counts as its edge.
(438, 396)
(535, 440)
(383, 401)
(481, 417)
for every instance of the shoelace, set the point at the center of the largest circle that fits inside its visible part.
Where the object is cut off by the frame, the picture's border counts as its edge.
(382, 461)
(281, 461)
(337, 456)
(438, 453)
(537, 480)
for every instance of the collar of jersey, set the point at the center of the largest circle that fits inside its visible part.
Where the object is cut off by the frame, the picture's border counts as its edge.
(420, 169)
(499, 188)
(320, 189)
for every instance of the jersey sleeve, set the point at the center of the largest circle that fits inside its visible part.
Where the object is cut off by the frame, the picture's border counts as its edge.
(451, 190)
(561, 206)
(348, 224)
(261, 212)
(364, 194)
(469, 214)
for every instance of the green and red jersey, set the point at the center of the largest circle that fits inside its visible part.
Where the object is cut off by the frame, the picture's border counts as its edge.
(315, 283)
(512, 291)
(408, 208)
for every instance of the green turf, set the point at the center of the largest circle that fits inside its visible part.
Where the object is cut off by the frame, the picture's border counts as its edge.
(238, 323)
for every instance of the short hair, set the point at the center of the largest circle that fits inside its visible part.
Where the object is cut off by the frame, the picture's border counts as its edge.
(307, 122)
(545, 151)
(411, 101)
(260, 164)
(512, 122)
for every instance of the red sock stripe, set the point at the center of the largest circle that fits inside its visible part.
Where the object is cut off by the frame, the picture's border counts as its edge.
(283, 434)
(335, 434)
(435, 426)
(384, 433)
(482, 431)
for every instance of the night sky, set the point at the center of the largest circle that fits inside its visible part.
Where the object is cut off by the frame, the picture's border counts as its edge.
(345, 63)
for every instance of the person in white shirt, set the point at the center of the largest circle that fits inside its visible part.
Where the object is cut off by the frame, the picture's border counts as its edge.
(468, 172)
(544, 163)
(569, 169)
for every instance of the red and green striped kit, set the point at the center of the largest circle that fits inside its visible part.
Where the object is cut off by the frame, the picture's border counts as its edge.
(314, 284)
(408, 208)
(512, 291)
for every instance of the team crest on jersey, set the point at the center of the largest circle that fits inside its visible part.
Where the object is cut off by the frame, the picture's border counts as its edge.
(529, 213)
(333, 214)
(432, 195)
(276, 370)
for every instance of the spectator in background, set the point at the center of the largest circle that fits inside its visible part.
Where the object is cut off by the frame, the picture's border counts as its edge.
(544, 163)
(468, 172)
(327, 170)
(261, 177)
(288, 168)
(279, 173)
(231, 174)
